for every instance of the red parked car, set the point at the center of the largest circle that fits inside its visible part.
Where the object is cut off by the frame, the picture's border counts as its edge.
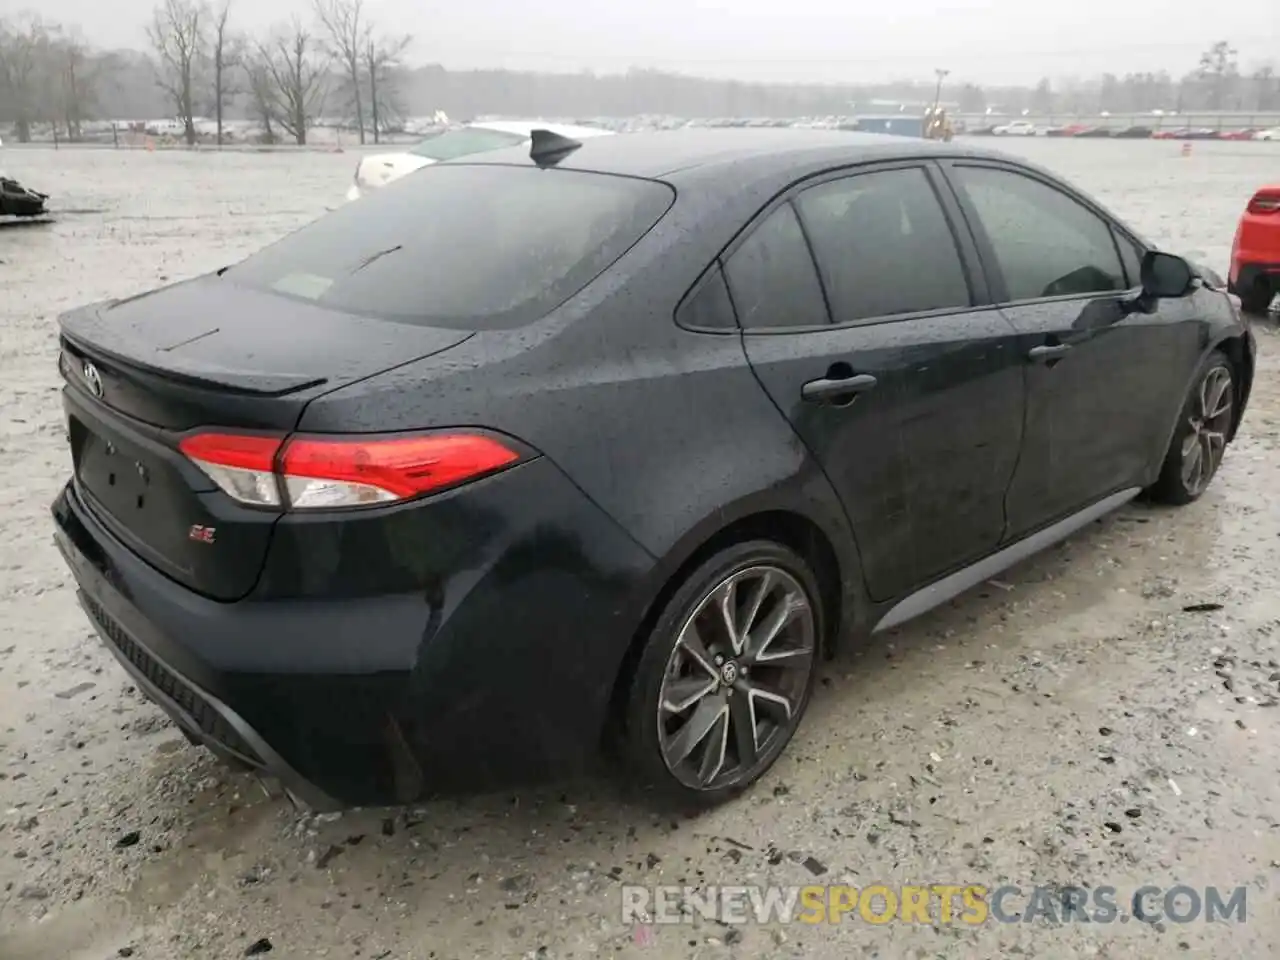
(1255, 252)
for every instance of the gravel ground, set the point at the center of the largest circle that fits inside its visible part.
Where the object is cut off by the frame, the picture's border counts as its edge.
(1070, 724)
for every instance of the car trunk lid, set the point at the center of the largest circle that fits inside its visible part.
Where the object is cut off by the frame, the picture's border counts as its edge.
(142, 373)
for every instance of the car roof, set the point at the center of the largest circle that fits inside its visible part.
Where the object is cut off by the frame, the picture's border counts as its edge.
(762, 151)
(526, 128)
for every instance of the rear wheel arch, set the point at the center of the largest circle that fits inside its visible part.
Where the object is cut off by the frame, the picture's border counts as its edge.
(1237, 353)
(1174, 486)
(792, 529)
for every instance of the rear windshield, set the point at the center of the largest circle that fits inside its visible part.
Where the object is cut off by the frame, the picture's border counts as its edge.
(474, 247)
(459, 143)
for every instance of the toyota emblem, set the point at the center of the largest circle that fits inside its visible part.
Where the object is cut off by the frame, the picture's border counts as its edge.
(92, 378)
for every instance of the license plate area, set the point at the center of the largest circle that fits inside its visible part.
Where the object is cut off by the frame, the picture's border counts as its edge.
(120, 475)
(146, 495)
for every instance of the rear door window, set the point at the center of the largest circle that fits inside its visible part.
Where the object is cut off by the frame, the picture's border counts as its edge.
(473, 247)
(460, 143)
(708, 307)
(772, 277)
(883, 245)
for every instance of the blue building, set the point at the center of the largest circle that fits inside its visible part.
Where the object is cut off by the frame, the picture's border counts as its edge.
(900, 124)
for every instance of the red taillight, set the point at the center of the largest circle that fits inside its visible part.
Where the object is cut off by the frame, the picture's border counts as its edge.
(308, 473)
(316, 471)
(242, 465)
(236, 451)
(1265, 201)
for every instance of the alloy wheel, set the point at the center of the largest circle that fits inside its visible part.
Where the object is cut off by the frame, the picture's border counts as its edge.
(736, 680)
(1208, 423)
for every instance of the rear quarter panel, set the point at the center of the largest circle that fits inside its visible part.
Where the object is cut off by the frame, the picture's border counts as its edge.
(665, 429)
(1215, 325)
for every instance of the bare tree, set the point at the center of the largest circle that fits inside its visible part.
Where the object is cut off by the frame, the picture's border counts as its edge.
(381, 59)
(1148, 91)
(347, 38)
(1219, 70)
(299, 70)
(226, 52)
(179, 33)
(1042, 97)
(973, 99)
(72, 77)
(257, 68)
(1266, 88)
(23, 56)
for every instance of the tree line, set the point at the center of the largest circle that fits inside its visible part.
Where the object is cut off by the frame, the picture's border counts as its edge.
(1215, 84)
(202, 65)
(202, 62)
(335, 61)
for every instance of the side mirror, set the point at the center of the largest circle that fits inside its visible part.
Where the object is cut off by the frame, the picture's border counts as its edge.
(1165, 275)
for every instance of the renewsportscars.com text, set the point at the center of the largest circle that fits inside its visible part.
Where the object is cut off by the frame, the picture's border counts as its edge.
(944, 903)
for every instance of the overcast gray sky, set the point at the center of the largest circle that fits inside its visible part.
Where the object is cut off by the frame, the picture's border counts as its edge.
(826, 40)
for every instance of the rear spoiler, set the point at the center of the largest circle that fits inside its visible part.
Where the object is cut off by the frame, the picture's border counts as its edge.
(80, 335)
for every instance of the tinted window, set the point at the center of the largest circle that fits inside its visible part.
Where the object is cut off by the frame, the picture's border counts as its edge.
(474, 247)
(1131, 255)
(883, 245)
(709, 308)
(772, 277)
(1046, 244)
(461, 143)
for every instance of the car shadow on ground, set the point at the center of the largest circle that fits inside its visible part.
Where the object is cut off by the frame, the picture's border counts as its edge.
(7, 224)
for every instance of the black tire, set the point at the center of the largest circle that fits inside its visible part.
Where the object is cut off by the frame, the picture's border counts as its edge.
(1198, 437)
(648, 726)
(1258, 297)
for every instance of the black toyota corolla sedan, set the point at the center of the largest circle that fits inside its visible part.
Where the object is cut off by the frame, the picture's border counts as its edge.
(605, 444)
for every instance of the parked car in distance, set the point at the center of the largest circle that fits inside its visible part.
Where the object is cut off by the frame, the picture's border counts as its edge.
(379, 169)
(1271, 133)
(1186, 133)
(1018, 128)
(19, 201)
(608, 441)
(1255, 251)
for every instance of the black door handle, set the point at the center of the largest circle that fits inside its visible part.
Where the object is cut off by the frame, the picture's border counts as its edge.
(1048, 352)
(827, 390)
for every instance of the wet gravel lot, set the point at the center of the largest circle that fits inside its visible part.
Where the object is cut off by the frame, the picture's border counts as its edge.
(1072, 723)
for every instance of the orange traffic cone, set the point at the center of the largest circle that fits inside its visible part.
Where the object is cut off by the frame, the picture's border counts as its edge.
(1186, 149)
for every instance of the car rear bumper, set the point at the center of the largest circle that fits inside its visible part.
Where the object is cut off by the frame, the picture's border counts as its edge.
(137, 611)
(1245, 275)
(200, 715)
(499, 674)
